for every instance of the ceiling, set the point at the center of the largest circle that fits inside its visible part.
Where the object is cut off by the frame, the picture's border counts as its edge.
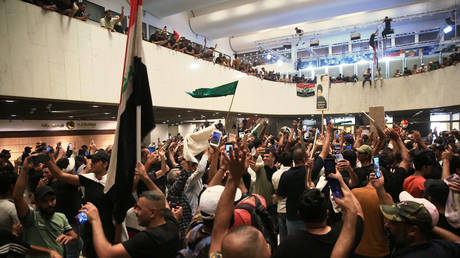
(43, 109)
(249, 21)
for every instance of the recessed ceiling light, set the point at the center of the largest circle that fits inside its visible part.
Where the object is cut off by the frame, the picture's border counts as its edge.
(70, 116)
(106, 113)
(13, 115)
(188, 111)
(167, 121)
(178, 115)
(164, 122)
(239, 114)
(113, 117)
(9, 101)
(95, 106)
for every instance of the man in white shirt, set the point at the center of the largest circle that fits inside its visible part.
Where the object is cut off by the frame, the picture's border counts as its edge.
(286, 163)
(108, 22)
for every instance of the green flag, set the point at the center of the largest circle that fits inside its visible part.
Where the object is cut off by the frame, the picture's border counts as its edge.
(220, 91)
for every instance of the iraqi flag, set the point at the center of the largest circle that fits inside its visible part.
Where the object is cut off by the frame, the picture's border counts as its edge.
(135, 91)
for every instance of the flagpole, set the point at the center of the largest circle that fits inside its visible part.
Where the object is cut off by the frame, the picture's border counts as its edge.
(228, 113)
(138, 132)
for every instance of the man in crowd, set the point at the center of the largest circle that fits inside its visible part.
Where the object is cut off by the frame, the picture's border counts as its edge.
(42, 226)
(286, 163)
(93, 183)
(410, 227)
(8, 215)
(160, 239)
(316, 238)
(5, 163)
(108, 22)
(423, 162)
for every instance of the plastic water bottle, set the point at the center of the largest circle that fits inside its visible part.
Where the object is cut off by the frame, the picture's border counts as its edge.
(82, 217)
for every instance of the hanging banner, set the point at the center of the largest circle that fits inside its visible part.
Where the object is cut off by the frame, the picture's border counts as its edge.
(322, 91)
(305, 89)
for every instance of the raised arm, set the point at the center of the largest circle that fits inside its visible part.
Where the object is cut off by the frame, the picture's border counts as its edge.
(199, 172)
(225, 207)
(18, 192)
(446, 156)
(102, 247)
(378, 184)
(419, 141)
(64, 177)
(402, 148)
(141, 172)
(327, 141)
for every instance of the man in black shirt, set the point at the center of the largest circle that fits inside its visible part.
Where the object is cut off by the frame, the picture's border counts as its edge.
(316, 238)
(160, 239)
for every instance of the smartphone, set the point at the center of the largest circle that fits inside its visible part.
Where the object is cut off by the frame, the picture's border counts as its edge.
(70, 145)
(377, 167)
(215, 139)
(151, 149)
(42, 158)
(241, 135)
(228, 147)
(48, 148)
(86, 153)
(173, 205)
(329, 167)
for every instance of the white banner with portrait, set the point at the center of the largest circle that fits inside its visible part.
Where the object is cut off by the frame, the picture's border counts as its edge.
(322, 92)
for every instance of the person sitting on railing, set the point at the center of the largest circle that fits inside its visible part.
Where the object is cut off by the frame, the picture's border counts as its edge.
(68, 7)
(414, 69)
(225, 61)
(397, 74)
(80, 14)
(367, 77)
(421, 69)
(219, 59)
(407, 72)
(108, 22)
(236, 63)
(46, 4)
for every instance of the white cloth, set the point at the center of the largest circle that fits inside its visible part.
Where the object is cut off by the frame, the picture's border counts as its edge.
(8, 214)
(196, 143)
(281, 204)
(452, 211)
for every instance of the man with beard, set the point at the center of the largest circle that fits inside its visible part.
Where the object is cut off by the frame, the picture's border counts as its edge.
(42, 226)
(410, 230)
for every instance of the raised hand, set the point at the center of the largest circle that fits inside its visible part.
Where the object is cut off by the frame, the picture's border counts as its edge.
(91, 211)
(377, 183)
(236, 163)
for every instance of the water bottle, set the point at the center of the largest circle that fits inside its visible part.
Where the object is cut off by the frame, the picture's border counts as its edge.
(82, 217)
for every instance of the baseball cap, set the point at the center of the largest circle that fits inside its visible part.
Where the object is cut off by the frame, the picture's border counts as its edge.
(405, 196)
(365, 149)
(408, 211)
(209, 199)
(42, 191)
(100, 155)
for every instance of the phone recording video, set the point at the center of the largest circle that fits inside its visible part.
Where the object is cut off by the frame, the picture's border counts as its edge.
(228, 147)
(329, 167)
(377, 172)
(215, 139)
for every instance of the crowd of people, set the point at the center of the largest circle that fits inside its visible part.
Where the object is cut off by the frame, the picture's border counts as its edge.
(453, 59)
(392, 193)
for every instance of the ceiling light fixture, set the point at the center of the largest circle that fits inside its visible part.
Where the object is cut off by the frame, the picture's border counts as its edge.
(95, 106)
(9, 101)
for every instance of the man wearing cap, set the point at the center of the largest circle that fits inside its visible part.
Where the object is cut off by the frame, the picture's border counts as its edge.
(410, 228)
(93, 183)
(364, 153)
(43, 226)
(5, 163)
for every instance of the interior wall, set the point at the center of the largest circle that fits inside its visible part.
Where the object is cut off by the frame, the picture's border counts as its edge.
(47, 55)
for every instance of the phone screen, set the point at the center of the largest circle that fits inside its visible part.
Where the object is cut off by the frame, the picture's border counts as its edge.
(228, 147)
(241, 135)
(70, 145)
(48, 148)
(335, 188)
(215, 139)
(377, 167)
(151, 149)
